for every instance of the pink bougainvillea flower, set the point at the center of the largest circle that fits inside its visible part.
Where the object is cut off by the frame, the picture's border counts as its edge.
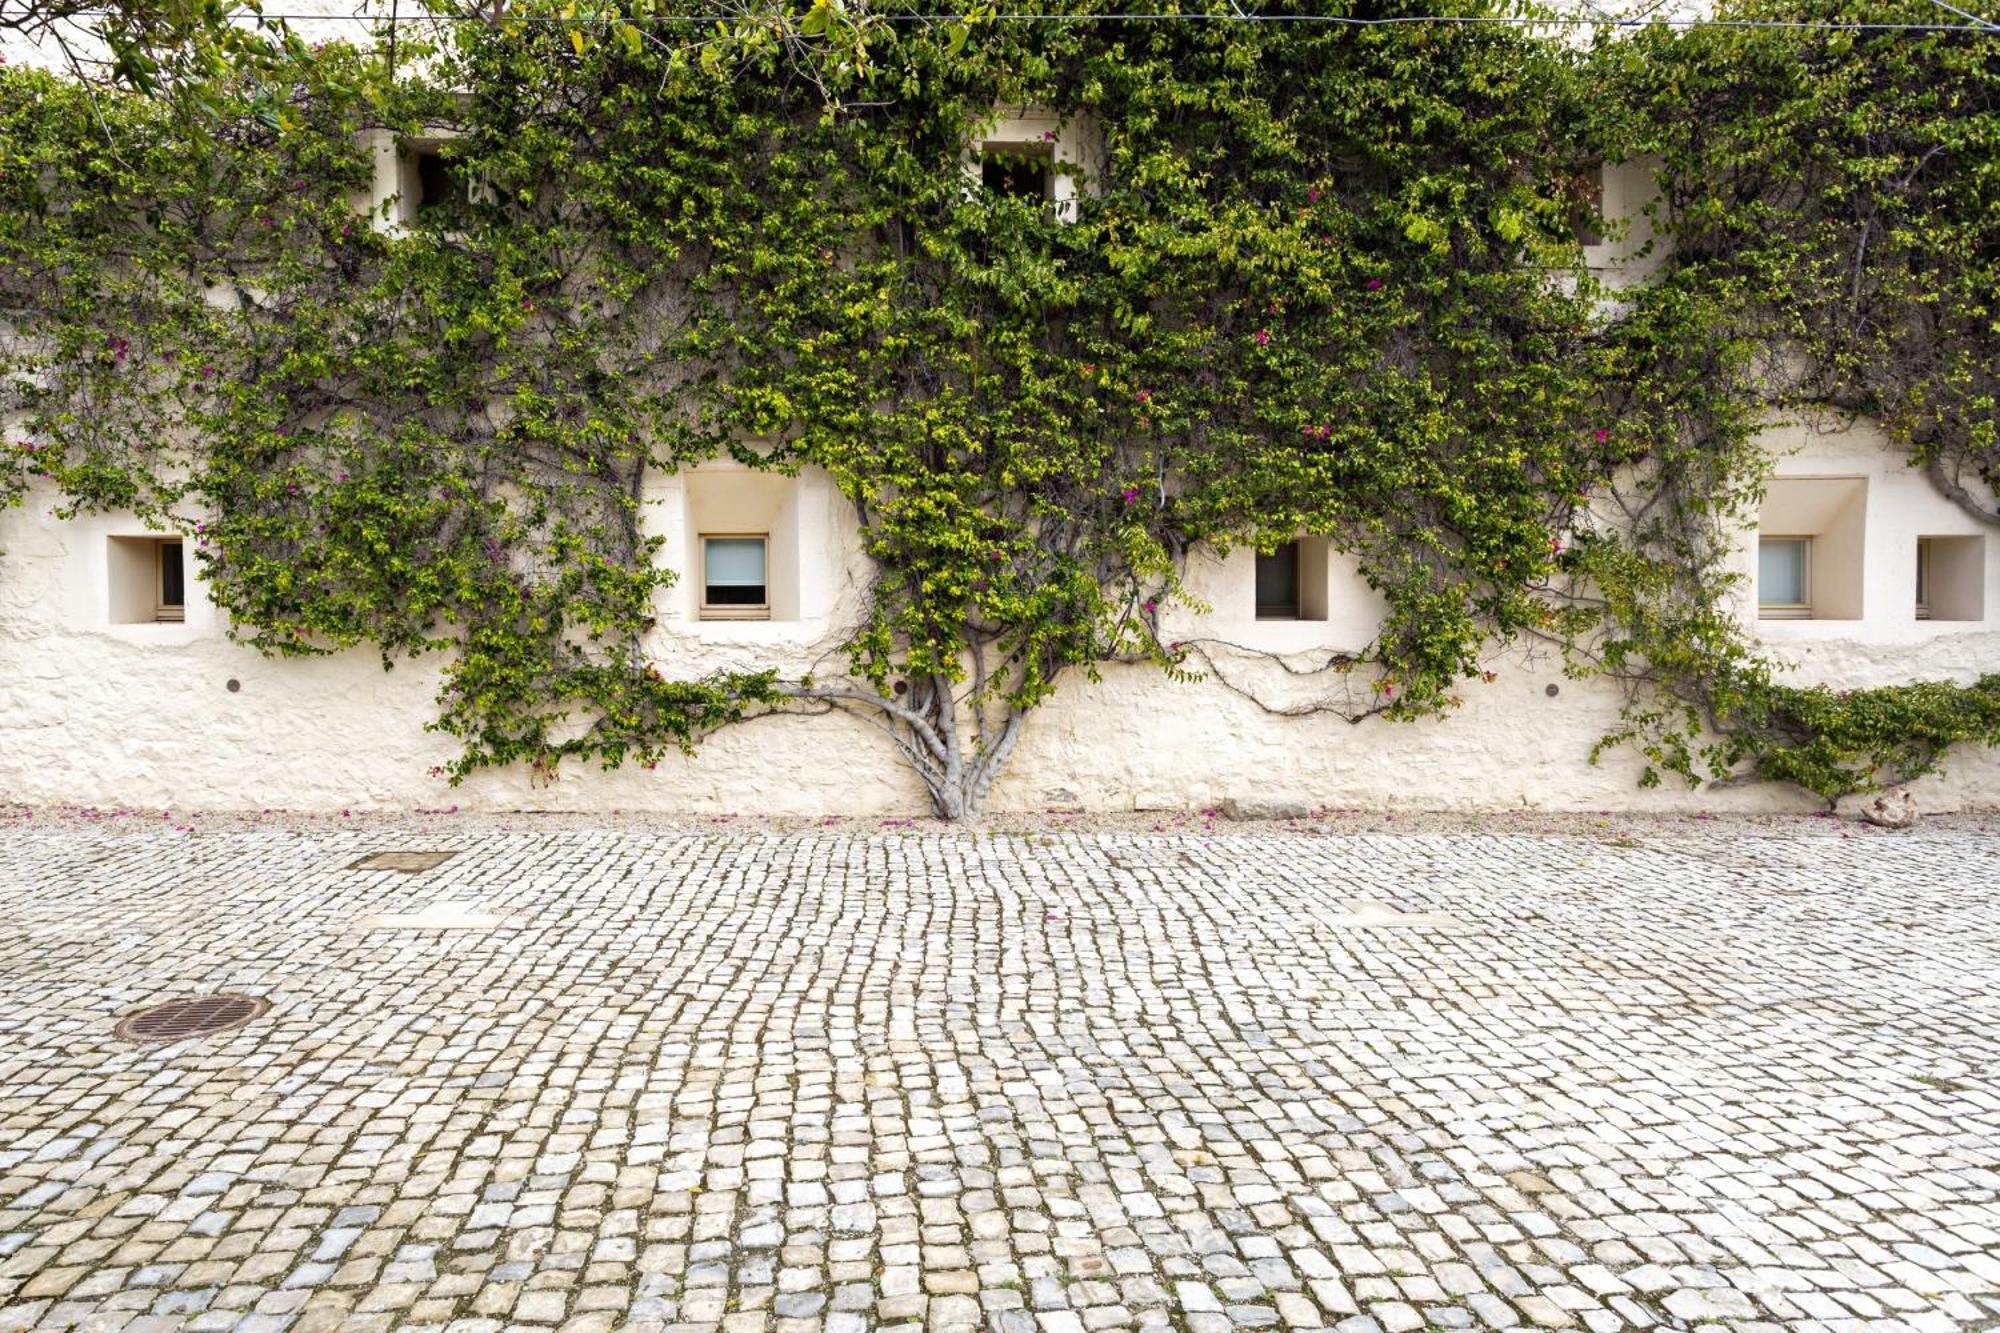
(1263, 337)
(1131, 495)
(1145, 395)
(1373, 284)
(1600, 435)
(1151, 606)
(1312, 196)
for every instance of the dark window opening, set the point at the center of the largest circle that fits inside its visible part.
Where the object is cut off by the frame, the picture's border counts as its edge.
(438, 186)
(173, 582)
(1019, 171)
(1587, 207)
(1278, 583)
(735, 594)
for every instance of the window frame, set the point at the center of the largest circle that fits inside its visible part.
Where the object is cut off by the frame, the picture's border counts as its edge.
(1274, 611)
(165, 612)
(464, 189)
(707, 610)
(1923, 605)
(1787, 610)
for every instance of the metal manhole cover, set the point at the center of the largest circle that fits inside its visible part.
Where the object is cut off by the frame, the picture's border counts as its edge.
(409, 863)
(199, 1016)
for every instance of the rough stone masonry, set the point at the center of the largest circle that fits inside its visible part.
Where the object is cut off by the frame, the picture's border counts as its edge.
(830, 1081)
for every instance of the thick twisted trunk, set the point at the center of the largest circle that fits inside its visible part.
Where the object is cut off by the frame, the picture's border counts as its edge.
(956, 745)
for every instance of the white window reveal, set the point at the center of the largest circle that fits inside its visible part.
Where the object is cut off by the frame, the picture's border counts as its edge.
(1812, 548)
(1784, 578)
(147, 579)
(1951, 578)
(735, 577)
(422, 179)
(1035, 156)
(741, 545)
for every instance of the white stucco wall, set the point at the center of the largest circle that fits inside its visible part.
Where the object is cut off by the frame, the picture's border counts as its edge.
(103, 713)
(106, 714)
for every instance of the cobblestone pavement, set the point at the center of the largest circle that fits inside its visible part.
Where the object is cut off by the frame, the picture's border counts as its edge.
(833, 1081)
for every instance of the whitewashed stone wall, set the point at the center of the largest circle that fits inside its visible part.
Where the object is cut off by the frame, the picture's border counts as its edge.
(107, 714)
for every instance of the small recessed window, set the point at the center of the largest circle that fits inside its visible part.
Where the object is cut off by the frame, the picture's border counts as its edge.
(1278, 583)
(1024, 171)
(1784, 578)
(733, 578)
(1951, 578)
(438, 185)
(148, 580)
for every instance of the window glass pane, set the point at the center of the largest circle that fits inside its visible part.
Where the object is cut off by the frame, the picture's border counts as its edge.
(733, 568)
(1781, 571)
(173, 577)
(1278, 581)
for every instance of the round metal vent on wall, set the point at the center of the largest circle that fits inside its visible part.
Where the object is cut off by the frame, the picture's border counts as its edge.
(198, 1016)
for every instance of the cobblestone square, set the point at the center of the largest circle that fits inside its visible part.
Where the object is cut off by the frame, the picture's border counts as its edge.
(828, 1079)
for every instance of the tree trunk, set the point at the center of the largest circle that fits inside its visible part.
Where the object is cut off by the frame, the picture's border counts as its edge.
(957, 746)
